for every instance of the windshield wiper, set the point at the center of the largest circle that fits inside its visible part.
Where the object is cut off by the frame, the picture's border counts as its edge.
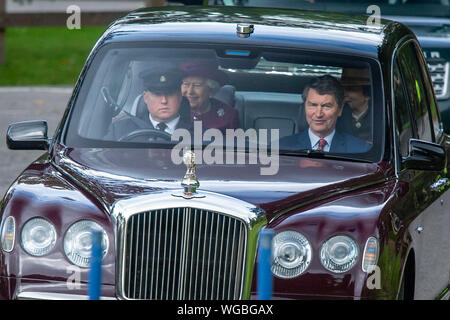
(310, 153)
(303, 152)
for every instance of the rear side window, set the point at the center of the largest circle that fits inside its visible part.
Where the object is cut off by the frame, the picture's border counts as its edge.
(411, 70)
(436, 121)
(404, 127)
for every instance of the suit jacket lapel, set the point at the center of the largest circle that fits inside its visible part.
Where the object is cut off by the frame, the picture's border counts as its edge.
(142, 124)
(339, 143)
(147, 124)
(303, 140)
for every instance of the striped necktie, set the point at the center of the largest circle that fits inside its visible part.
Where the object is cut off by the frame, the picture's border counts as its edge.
(322, 144)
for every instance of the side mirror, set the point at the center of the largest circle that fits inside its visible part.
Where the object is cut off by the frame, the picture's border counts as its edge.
(425, 155)
(27, 135)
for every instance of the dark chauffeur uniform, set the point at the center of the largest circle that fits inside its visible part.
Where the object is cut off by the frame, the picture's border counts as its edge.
(122, 127)
(160, 81)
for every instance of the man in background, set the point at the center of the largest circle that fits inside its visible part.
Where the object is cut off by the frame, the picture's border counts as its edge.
(356, 83)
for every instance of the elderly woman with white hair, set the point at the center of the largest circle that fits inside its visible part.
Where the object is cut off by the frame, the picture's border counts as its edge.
(201, 81)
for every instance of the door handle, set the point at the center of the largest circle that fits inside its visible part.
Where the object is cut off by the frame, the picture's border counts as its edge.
(440, 185)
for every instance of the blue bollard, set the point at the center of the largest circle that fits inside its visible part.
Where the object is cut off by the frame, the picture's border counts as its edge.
(265, 279)
(95, 272)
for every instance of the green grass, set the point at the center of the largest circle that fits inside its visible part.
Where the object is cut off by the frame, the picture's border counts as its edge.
(46, 55)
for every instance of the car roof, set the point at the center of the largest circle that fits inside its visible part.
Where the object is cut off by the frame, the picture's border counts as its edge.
(340, 33)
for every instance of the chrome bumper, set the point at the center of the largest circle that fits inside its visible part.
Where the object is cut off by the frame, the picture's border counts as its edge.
(55, 296)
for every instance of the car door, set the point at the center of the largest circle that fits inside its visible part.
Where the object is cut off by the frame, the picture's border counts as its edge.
(430, 193)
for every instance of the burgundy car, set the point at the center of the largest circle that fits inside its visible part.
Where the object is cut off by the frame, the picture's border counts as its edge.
(181, 210)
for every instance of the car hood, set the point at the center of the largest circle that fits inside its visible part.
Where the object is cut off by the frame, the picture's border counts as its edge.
(114, 174)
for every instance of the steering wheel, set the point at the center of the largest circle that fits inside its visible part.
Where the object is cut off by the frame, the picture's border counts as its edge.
(150, 133)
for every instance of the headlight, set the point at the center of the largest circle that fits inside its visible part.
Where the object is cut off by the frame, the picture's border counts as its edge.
(291, 254)
(38, 236)
(78, 242)
(339, 254)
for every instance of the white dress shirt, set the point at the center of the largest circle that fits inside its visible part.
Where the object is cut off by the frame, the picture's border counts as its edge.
(171, 125)
(315, 140)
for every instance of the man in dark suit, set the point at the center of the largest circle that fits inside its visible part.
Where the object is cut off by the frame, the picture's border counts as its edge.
(323, 100)
(162, 98)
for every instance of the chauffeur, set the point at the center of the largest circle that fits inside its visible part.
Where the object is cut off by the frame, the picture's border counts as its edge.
(202, 80)
(162, 97)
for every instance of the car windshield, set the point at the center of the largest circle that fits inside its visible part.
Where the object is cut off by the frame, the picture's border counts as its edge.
(235, 98)
(429, 8)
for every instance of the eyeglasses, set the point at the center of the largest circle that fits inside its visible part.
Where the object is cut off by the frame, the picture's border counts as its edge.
(193, 84)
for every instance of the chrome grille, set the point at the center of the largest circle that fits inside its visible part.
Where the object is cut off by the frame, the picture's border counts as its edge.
(439, 72)
(184, 253)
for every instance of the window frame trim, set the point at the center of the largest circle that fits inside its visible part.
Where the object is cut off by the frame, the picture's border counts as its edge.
(410, 114)
(397, 156)
(427, 77)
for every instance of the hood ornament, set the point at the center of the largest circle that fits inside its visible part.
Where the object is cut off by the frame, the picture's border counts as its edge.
(190, 182)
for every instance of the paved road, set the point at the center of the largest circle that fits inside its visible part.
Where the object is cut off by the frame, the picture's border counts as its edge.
(20, 104)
